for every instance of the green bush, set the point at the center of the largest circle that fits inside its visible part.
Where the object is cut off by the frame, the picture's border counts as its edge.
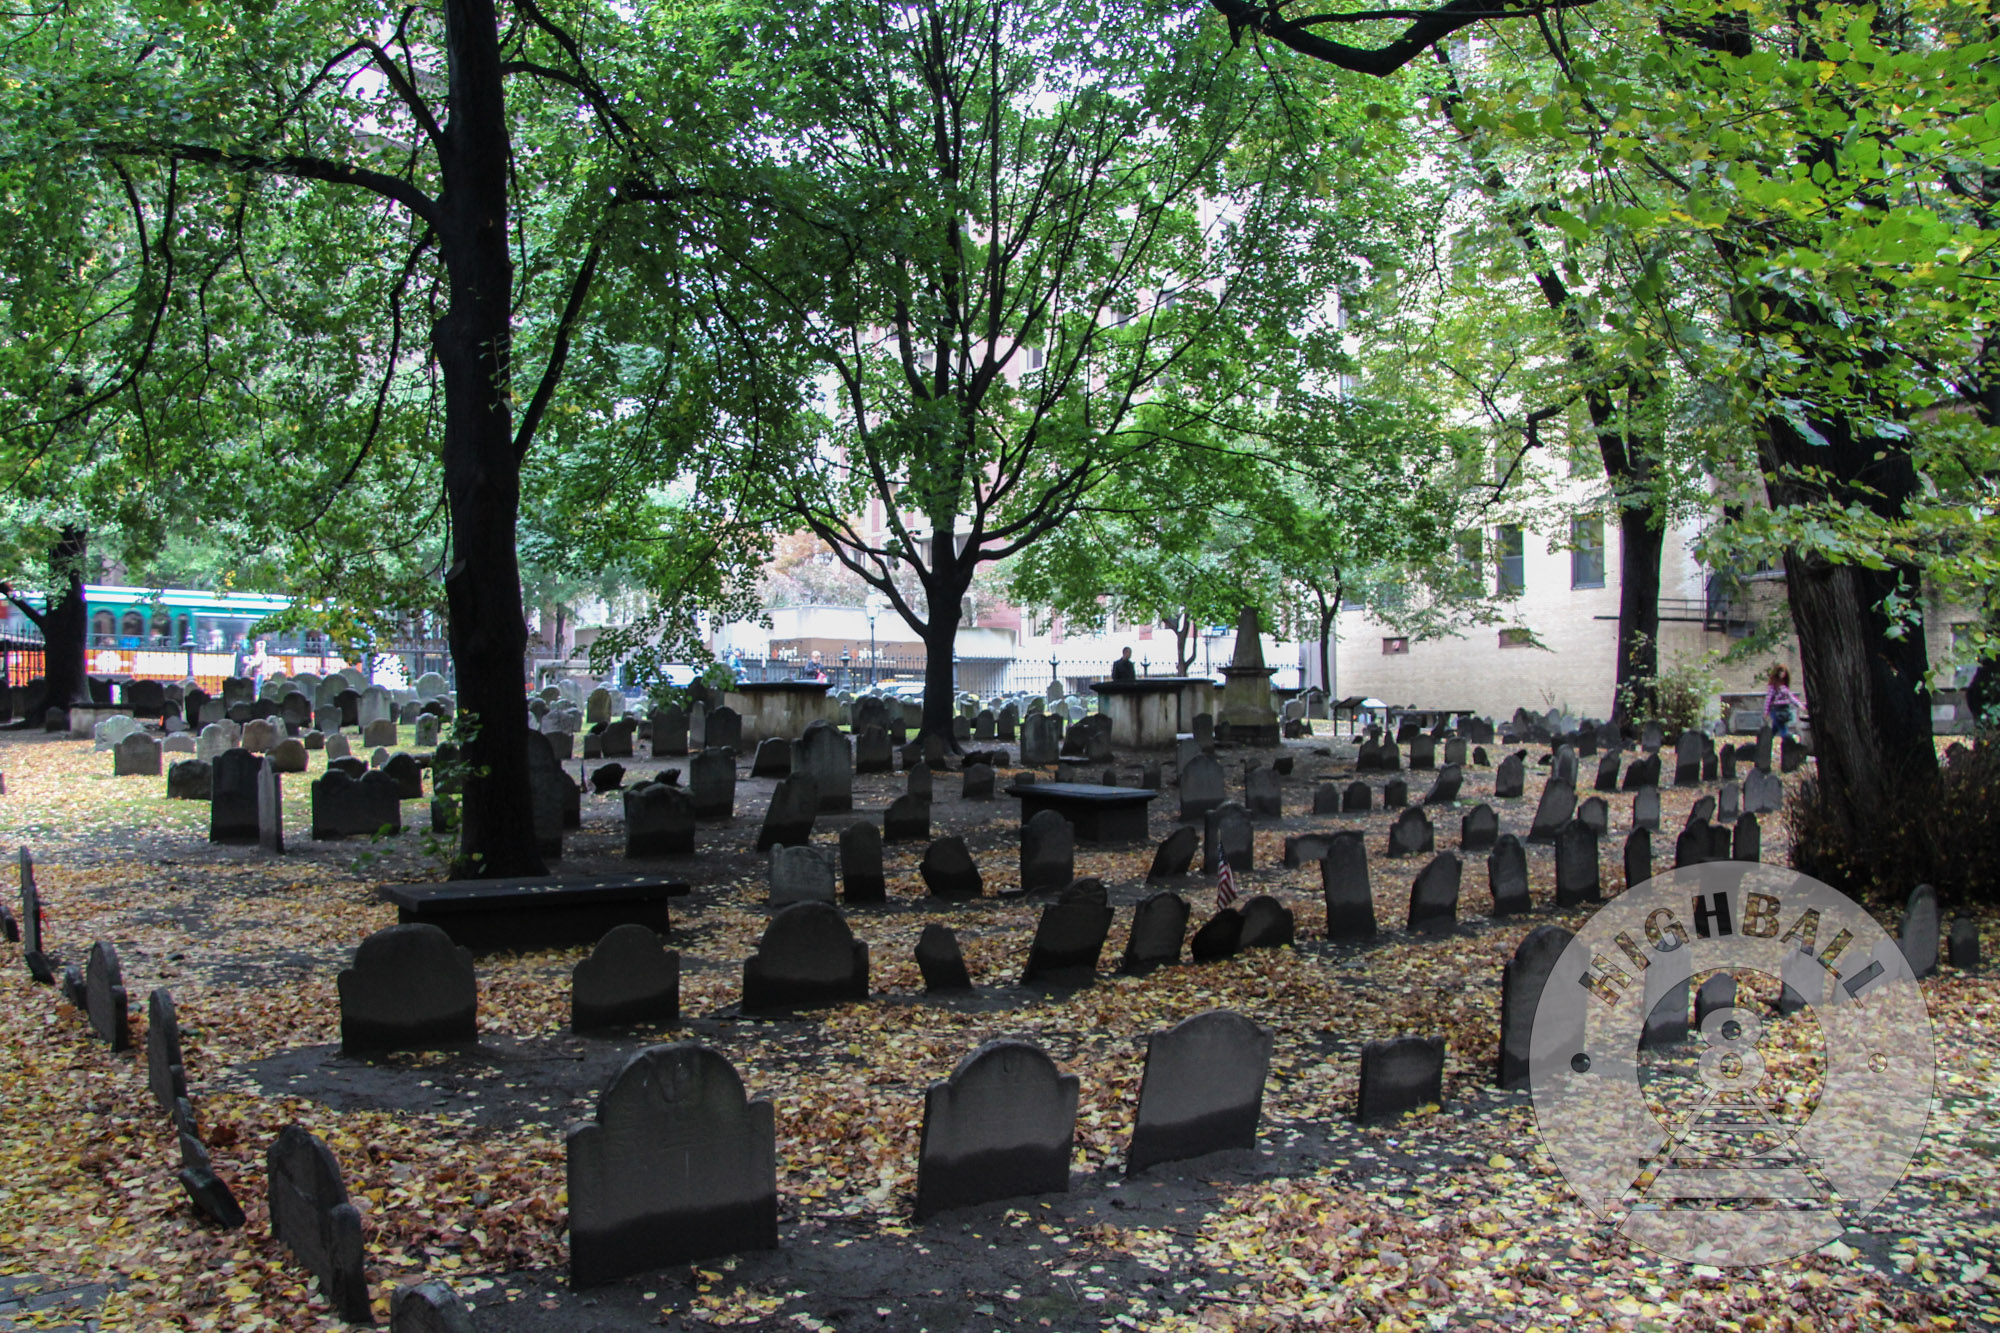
(1946, 834)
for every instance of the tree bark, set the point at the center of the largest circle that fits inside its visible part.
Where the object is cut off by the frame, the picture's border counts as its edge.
(64, 622)
(940, 688)
(472, 340)
(1641, 543)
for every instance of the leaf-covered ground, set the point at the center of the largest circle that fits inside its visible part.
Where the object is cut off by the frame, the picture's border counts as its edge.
(1451, 1218)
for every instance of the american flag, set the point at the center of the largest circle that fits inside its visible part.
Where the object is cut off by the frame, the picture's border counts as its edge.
(1225, 886)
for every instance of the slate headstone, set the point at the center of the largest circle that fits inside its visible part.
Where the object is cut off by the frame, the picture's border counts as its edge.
(670, 731)
(1479, 829)
(1510, 779)
(659, 821)
(1048, 852)
(137, 755)
(1219, 937)
(1358, 799)
(1763, 792)
(1963, 944)
(1638, 857)
(166, 1069)
(1263, 794)
(1918, 934)
(1411, 835)
(410, 989)
(1175, 854)
(789, 819)
(1607, 771)
(232, 807)
(1203, 1089)
(1434, 896)
(1202, 787)
(712, 783)
(189, 780)
(1069, 937)
(1445, 790)
(628, 979)
(801, 874)
(1226, 836)
(270, 807)
(823, 753)
(312, 1217)
(1577, 875)
(1746, 840)
(1507, 876)
(940, 961)
(1521, 984)
(949, 872)
(861, 876)
(1350, 900)
(773, 758)
(104, 997)
(908, 819)
(1159, 925)
(1395, 794)
(1398, 1076)
(1002, 1125)
(807, 956)
(1267, 923)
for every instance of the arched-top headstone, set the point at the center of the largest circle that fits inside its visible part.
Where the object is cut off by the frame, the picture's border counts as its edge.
(311, 1216)
(104, 989)
(949, 872)
(1434, 897)
(807, 956)
(824, 753)
(1267, 923)
(1048, 851)
(1521, 983)
(677, 1164)
(1350, 900)
(629, 978)
(1203, 1089)
(1159, 925)
(1068, 939)
(428, 1307)
(410, 988)
(166, 1071)
(1002, 1125)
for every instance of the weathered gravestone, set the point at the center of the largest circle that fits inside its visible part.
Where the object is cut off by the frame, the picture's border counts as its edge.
(1668, 994)
(938, 958)
(1562, 767)
(824, 754)
(1510, 779)
(1646, 808)
(629, 978)
(908, 819)
(725, 730)
(677, 1164)
(1002, 1125)
(1641, 773)
(1763, 792)
(1423, 752)
(1445, 790)
(617, 738)
(801, 874)
(788, 820)
(1068, 939)
(1577, 879)
(1521, 984)
(1326, 799)
(105, 999)
(1203, 1090)
(949, 872)
(1434, 896)
(270, 807)
(1226, 836)
(260, 735)
(807, 956)
(1303, 847)
(1350, 900)
(1039, 741)
(1638, 857)
(1728, 803)
(1963, 944)
(205, 1190)
(1175, 854)
(1746, 841)
(773, 758)
(712, 784)
(190, 780)
(374, 735)
(1479, 829)
(1412, 835)
(977, 783)
(1713, 996)
(410, 989)
(1202, 787)
(670, 731)
(1395, 794)
(861, 877)
(166, 1070)
(1219, 937)
(1607, 771)
(1159, 925)
(1507, 876)
(1263, 794)
(232, 807)
(1555, 809)
(659, 820)
(288, 755)
(1918, 934)
(1595, 813)
(1694, 846)
(312, 1217)
(1399, 1076)
(428, 1307)
(922, 780)
(345, 806)
(40, 966)
(1267, 924)
(1048, 852)
(1358, 799)
(873, 752)
(136, 755)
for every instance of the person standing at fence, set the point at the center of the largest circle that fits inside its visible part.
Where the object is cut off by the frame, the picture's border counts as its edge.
(258, 663)
(1781, 706)
(1123, 669)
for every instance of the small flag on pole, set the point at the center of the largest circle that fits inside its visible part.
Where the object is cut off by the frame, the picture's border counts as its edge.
(1225, 886)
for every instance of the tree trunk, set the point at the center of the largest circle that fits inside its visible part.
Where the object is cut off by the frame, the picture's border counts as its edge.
(482, 472)
(1327, 614)
(940, 636)
(1641, 541)
(65, 623)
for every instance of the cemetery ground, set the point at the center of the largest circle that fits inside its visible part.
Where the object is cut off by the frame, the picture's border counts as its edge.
(1451, 1217)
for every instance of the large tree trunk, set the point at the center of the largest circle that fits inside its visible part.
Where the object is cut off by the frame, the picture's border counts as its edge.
(1641, 542)
(482, 472)
(940, 634)
(65, 623)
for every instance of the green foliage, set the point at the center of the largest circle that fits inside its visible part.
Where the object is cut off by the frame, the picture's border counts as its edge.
(1944, 832)
(1680, 696)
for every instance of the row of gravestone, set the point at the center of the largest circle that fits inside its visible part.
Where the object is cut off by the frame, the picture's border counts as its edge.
(246, 805)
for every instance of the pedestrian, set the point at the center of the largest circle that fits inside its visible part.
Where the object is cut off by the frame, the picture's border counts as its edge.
(1781, 706)
(1123, 669)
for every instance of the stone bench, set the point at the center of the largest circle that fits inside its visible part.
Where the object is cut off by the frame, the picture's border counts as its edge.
(1096, 814)
(536, 912)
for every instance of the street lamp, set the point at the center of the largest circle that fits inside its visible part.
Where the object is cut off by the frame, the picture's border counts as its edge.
(1053, 660)
(873, 607)
(846, 672)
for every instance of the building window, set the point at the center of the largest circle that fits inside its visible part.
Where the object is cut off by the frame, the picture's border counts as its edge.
(1586, 552)
(1509, 553)
(1037, 358)
(1517, 638)
(1392, 647)
(1471, 546)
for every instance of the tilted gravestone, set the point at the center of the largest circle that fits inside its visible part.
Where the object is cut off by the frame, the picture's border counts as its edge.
(1263, 793)
(1221, 936)
(908, 819)
(1175, 854)
(312, 1217)
(861, 877)
(1607, 771)
(677, 1164)
(824, 754)
(977, 785)
(788, 820)
(1202, 787)
(807, 956)
(1226, 836)
(1479, 830)
(659, 820)
(1521, 984)
(428, 1307)
(205, 1190)
(949, 872)
(1434, 896)
(1638, 857)
(1918, 934)
(1068, 939)
(1510, 779)
(1507, 876)
(410, 989)
(629, 978)
(1694, 846)
(1350, 900)
(1203, 1089)
(1411, 835)
(1445, 790)
(1159, 925)
(166, 1071)
(232, 807)
(1703, 810)
(1399, 1076)
(1267, 923)
(1595, 813)
(105, 1000)
(938, 958)
(1048, 852)
(1358, 799)
(1642, 772)
(1557, 806)
(344, 806)
(712, 783)
(1577, 879)
(1002, 1125)
(773, 758)
(801, 874)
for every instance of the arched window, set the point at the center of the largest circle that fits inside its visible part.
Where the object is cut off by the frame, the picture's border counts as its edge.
(134, 626)
(103, 626)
